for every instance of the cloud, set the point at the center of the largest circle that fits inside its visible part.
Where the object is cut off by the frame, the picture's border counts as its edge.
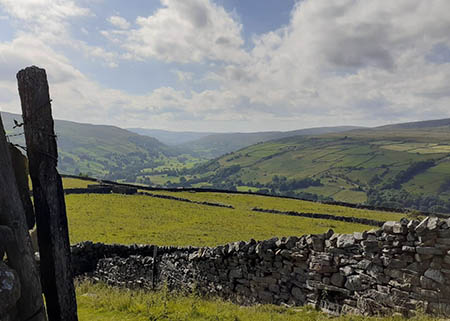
(335, 62)
(43, 17)
(362, 62)
(184, 31)
(119, 22)
(49, 21)
(183, 75)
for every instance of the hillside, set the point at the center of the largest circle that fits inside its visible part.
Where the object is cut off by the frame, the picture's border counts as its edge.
(170, 137)
(216, 145)
(102, 151)
(212, 145)
(400, 166)
(118, 154)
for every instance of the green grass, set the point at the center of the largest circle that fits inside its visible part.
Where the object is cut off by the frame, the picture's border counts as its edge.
(342, 162)
(98, 302)
(69, 182)
(244, 203)
(147, 220)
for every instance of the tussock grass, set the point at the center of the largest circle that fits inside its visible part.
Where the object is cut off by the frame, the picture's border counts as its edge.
(99, 302)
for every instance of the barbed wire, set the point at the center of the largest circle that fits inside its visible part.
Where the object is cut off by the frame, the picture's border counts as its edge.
(38, 151)
(24, 148)
(14, 135)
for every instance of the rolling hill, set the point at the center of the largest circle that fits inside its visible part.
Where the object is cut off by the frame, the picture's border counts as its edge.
(101, 151)
(170, 137)
(404, 165)
(119, 154)
(210, 145)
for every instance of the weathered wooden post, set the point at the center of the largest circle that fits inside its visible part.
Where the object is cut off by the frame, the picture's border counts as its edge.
(18, 244)
(49, 203)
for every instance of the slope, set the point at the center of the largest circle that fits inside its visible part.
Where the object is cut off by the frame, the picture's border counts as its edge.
(170, 137)
(101, 151)
(216, 145)
(394, 166)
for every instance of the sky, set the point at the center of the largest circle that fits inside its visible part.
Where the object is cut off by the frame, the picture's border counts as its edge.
(232, 65)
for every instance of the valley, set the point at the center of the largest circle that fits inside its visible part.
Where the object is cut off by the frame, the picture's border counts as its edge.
(397, 166)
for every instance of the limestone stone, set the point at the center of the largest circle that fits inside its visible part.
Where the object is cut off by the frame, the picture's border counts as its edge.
(422, 226)
(354, 283)
(359, 236)
(337, 279)
(443, 233)
(444, 241)
(345, 240)
(393, 227)
(447, 259)
(235, 273)
(435, 275)
(297, 293)
(347, 270)
(427, 283)
(412, 225)
(427, 250)
(433, 223)
(409, 249)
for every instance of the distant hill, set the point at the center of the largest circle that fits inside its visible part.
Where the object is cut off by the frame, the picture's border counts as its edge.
(101, 151)
(419, 124)
(170, 137)
(216, 145)
(403, 165)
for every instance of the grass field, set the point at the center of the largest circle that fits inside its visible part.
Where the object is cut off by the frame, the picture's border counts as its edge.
(69, 182)
(243, 203)
(141, 219)
(102, 303)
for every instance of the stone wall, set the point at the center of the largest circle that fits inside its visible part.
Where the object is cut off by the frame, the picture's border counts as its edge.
(404, 267)
(213, 190)
(349, 219)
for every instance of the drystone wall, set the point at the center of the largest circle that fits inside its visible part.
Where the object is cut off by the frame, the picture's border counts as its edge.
(404, 267)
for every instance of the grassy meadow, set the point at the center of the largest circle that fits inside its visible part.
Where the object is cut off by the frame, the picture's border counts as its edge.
(142, 219)
(147, 220)
(244, 202)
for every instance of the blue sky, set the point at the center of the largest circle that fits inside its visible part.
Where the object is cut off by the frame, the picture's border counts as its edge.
(232, 65)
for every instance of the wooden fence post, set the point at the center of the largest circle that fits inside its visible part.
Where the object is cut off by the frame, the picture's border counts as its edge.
(19, 250)
(49, 203)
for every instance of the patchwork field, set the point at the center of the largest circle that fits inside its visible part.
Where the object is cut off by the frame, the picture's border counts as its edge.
(360, 166)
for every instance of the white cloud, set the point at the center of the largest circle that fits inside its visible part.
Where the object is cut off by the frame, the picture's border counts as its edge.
(44, 17)
(361, 62)
(49, 21)
(119, 22)
(184, 31)
(336, 62)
